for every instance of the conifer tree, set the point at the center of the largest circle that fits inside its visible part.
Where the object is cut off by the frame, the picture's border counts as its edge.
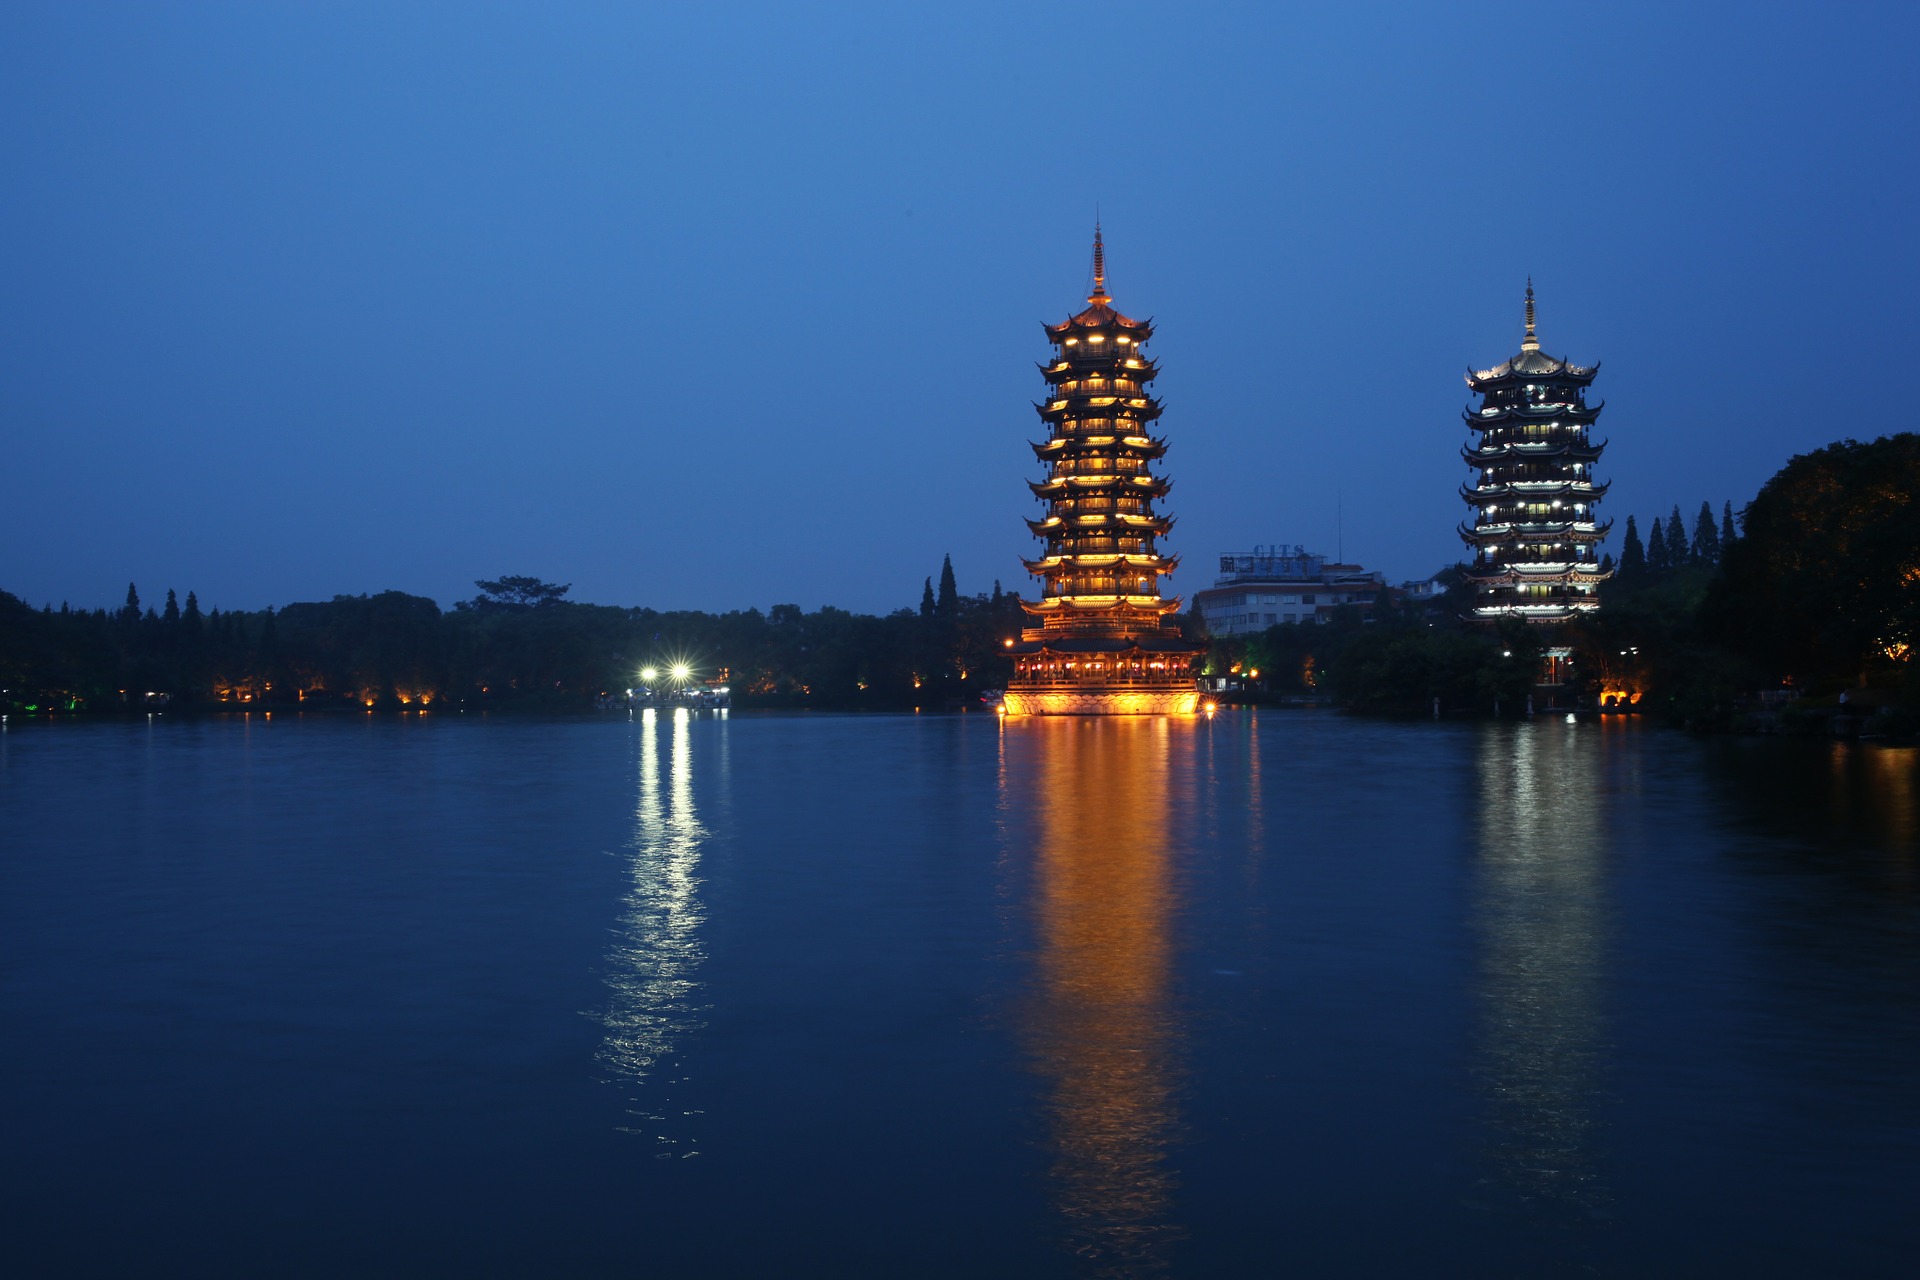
(131, 613)
(171, 614)
(1728, 535)
(1706, 538)
(926, 599)
(948, 603)
(1657, 562)
(1677, 554)
(1633, 556)
(191, 614)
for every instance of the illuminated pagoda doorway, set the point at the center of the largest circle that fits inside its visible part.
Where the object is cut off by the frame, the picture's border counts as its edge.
(1105, 642)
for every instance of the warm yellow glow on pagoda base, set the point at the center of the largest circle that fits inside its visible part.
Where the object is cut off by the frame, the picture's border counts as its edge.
(1101, 702)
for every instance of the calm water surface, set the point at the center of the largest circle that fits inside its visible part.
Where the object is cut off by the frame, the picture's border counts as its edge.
(763, 996)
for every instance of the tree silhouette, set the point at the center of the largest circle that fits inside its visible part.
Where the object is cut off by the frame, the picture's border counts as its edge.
(1706, 538)
(519, 592)
(948, 602)
(1825, 577)
(1677, 551)
(1633, 556)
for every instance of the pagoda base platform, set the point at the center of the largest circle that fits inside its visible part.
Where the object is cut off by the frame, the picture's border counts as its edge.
(1100, 700)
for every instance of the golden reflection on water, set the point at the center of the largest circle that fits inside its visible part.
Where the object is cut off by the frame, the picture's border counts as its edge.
(655, 962)
(1875, 790)
(1099, 1023)
(1541, 918)
(1894, 771)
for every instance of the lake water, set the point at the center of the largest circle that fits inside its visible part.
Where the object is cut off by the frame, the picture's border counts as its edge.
(773, 995)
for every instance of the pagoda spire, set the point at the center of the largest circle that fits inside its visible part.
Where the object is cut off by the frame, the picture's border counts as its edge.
(1530, 342)
(1099, 294)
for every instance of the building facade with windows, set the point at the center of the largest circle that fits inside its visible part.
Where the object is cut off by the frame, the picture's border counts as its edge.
(1269, 586)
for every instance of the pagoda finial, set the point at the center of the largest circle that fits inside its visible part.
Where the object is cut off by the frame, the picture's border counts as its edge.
(1530, 342)
(1099, 294)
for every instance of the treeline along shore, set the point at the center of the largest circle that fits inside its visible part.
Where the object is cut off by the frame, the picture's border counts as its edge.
(1803, 614)
(517, 645)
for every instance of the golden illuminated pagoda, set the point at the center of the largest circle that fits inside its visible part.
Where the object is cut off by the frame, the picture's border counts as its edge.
(1106, 642)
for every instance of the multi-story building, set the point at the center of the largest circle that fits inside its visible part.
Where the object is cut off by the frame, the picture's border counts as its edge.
(1272, 585)
(1534, 536)
(1104, 640)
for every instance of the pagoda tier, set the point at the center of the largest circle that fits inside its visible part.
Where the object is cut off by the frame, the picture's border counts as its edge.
(1104, 640)
(1557, 454)
(1533, 531)
(1122, 487)
(1529, 534)
(1094, 448)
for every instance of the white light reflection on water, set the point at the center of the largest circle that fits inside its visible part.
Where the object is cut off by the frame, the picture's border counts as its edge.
(1541, 913)
(655, 963)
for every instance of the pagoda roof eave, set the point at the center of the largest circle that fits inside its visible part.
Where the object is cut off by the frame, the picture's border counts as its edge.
(1102, 560)
(1120, 363)
(1105, 644)
(1516, 532)
(1099, 315)
(1504, 577)
(1585, 414)
(1537, 365)
(1488, 455)
(1056, 606)
(1592, 490)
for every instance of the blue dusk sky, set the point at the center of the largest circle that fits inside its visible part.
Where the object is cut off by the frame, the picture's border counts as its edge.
(714, 306)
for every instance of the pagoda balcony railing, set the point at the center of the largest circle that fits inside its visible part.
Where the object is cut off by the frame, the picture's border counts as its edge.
(1098, 387)
(1109, 673)
(1100, 467)
(1575, 484)
(1081, 506)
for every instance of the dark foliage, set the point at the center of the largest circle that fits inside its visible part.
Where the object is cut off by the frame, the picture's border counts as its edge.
(1633, 553)
(517, 645)
(1826, 574)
